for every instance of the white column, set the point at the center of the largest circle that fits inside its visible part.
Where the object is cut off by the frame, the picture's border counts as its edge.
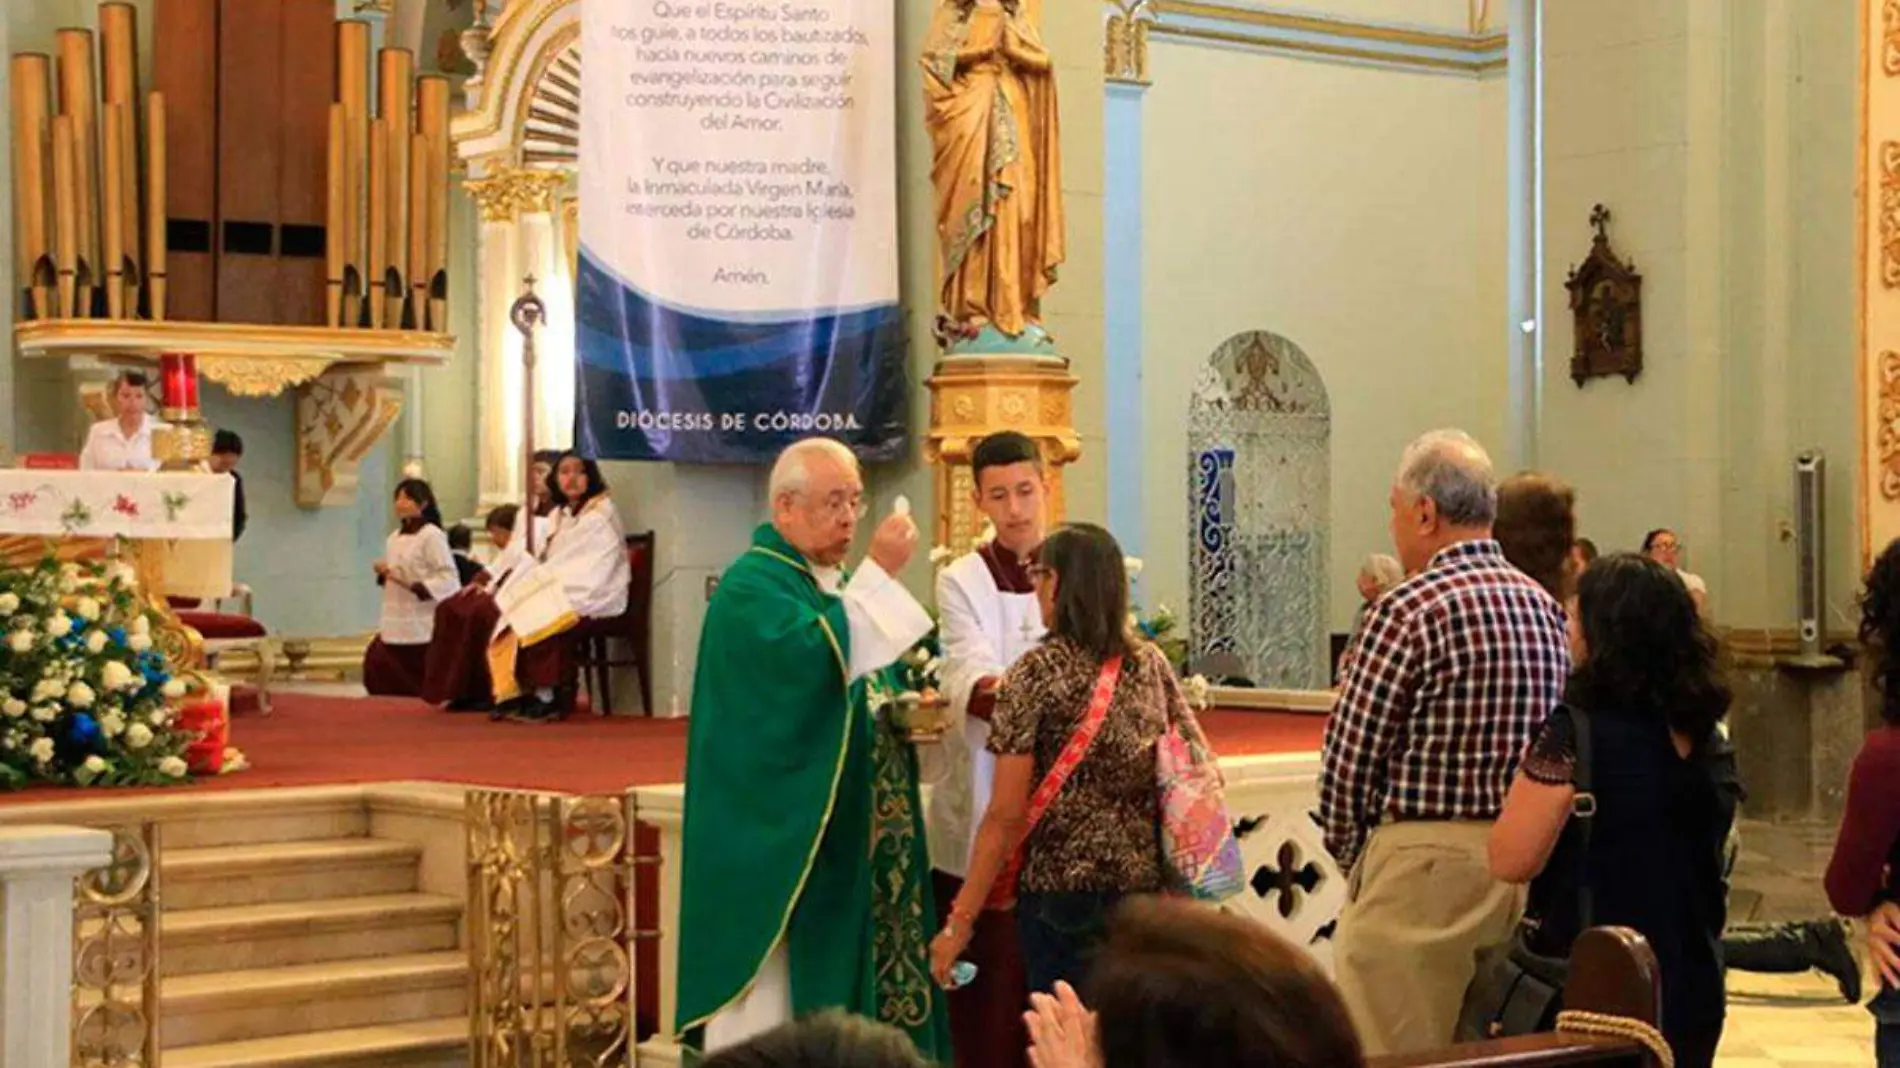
(1524, 182)
(37, 869)
(499, 468)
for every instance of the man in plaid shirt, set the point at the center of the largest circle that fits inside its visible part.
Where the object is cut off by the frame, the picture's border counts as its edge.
(1455, 672)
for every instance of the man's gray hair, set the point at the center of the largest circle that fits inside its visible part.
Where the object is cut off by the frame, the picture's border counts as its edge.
(791, 473)
(1451, 468)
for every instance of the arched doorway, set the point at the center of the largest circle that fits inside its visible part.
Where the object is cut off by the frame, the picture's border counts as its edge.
(1260, 475)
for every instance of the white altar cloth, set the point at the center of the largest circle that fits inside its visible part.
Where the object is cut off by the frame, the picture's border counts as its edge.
(189, 512)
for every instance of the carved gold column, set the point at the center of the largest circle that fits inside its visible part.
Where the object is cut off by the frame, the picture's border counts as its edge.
(972, 398)
(1879, 269)
(503, 196)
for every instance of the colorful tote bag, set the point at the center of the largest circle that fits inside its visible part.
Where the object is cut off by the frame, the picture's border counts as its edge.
(1199, 852)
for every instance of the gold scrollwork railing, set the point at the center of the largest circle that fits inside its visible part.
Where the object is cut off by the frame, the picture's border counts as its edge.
(115, 955)
(555, 929)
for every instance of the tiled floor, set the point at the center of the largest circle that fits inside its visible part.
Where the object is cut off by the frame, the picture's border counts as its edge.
(1788, 1021)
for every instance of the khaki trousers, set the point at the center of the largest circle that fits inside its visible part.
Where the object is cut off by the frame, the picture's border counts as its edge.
(1422, 906)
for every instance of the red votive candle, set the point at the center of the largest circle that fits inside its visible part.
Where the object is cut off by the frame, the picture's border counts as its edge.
(178, 382)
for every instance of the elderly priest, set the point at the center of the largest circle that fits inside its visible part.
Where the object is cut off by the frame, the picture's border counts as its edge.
(804, 879)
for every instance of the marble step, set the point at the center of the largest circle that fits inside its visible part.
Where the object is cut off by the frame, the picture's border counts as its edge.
(219, 876)
(269, 1002)
(286, 933)
(439, 1043)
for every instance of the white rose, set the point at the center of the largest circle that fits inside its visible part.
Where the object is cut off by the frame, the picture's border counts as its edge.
(138, 736)
(88, 609)
(95, 764)
(124, 575)
(160, 717)
(116, 676)
(13, 707)
(48, 689)
(46, 713)
(42, 750)
(140, 625)
(9, 603)
(69, 570)
(68, 583)
(80, 695)
(59, 625)
(173, 767)
(173, 688)
(112, 724)
(21, 641)
(138, 643)
(1132, 564)
(96, 642)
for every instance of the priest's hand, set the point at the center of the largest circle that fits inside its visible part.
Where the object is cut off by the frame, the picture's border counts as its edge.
(946, 948)
(894, 543)
(382, 569)
(1061, 1031)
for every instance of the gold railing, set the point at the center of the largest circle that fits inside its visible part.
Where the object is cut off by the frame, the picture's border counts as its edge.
(115, 955)
(555, 929)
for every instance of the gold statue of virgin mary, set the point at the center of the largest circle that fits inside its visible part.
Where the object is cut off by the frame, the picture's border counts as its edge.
(990, 107)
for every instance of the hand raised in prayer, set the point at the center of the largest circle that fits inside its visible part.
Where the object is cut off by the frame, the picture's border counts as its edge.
(894, 542)
(1883, 941)
(1061, 1031)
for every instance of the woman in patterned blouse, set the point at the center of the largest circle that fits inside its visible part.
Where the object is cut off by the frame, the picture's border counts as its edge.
(1098, 841)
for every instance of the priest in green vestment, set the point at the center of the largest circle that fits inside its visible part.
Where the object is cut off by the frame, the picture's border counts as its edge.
(805, 880)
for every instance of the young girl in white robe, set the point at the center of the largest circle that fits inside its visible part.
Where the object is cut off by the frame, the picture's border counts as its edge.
(416, 571)
(585, 575)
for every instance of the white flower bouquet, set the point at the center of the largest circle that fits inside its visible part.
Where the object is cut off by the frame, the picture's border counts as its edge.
(85, 698)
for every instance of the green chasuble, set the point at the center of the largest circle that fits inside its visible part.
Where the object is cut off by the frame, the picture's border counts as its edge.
(802, 822)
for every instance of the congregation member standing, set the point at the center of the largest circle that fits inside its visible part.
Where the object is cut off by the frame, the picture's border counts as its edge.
(1863, 877)
(124, 442)
(1645, 703)
(227, 449)
(803, 868)
(1096, 840)
(988, 618)
(1665, 547)
(416, 571)
(1537, 529)
(1457, 669)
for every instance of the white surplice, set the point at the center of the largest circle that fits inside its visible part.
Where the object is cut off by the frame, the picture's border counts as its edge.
(983, 631)
(885, 622)
(424, 559)
(585, 553)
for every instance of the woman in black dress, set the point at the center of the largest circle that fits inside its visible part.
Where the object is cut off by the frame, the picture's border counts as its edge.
(1665, 786)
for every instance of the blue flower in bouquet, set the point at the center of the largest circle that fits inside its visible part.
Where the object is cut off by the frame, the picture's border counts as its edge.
(76, 737)
(117, 634)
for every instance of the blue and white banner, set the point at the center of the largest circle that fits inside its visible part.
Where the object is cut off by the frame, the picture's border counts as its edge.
(738, 266)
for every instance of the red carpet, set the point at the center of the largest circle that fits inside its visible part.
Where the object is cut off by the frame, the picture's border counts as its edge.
(313, 741)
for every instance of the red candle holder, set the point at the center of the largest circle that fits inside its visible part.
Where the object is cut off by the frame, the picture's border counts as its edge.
(178, 387)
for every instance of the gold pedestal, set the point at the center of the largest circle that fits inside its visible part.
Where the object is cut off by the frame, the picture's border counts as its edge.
(973, 397)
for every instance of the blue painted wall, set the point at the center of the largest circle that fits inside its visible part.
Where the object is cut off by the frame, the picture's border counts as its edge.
(1121, 312)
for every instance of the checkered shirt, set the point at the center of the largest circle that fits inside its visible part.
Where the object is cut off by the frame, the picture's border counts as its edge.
(1454, 675)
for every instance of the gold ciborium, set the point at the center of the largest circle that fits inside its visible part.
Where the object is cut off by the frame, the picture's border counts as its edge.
(920, 718)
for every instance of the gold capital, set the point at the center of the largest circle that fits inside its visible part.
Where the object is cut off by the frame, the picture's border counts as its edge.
(506, 194)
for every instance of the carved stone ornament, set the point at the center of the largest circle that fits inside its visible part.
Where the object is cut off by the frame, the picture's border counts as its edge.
(1606, 297)
(1890, 37)
(512, 193)
(1125, 45)
(1889, 426)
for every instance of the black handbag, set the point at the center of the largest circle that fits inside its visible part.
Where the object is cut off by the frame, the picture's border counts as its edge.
(1518, 990)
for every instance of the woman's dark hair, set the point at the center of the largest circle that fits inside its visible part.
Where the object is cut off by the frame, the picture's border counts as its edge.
(1182, 985)
(502, 517)
(1537, 526)
(1588, 550)
(1091, 588)
(830, 1039)
(1649, 539)
(1648, 653)
(461, 539)
(596, 485)
(1880, 627)
(418, 491)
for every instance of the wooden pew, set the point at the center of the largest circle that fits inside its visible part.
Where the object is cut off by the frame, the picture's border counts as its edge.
(1613, 972)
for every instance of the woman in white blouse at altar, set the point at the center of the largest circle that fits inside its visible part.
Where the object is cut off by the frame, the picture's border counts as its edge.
(586, 553)
(416, 571)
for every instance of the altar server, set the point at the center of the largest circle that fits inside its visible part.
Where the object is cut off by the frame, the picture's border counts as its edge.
(988, 617)
(124, 442)
(416, 571)
(582, 572)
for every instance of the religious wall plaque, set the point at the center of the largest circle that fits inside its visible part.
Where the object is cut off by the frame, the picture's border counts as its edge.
(1606, 297)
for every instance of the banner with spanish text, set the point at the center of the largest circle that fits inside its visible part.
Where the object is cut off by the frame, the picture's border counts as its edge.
(737, 283)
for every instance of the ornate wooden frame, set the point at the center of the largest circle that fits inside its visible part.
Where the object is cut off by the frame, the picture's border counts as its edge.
(1606, 299)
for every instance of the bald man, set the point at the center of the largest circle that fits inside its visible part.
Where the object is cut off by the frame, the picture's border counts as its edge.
(805, 876)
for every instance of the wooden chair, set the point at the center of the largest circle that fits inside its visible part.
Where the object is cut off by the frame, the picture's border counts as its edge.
(594, 637)
(1613, 974)
(225, 632)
